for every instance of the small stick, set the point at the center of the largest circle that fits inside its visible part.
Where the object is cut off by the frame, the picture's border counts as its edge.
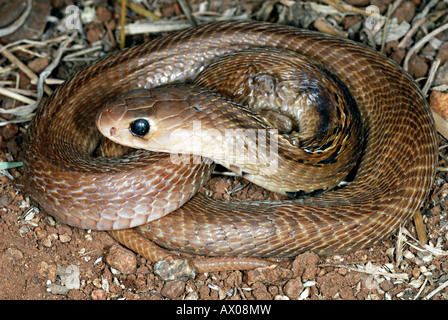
(374, 272)
(8, 55)
(386, 28)
(187, 10)
(411, 32)
(16, 96)
(141, 11)
(341, 6)
(122, 23)
(431, 76)
(420, 228)
(441, 124)
(422, 42)
(434, 292)
(19, 22)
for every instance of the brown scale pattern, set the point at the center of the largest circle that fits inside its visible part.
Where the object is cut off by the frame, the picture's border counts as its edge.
(393, 179)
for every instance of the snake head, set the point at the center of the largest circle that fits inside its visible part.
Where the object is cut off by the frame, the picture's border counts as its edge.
(146, 119)
(112, 119)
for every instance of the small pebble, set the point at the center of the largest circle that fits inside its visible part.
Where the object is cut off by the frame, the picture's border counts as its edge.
(98, 294)
(293, 288)
(416, 283)
(173, 289)
(174, 269)
(273, 275)
(64, 238)
(122, 259)
(408, 255)
(14, 254)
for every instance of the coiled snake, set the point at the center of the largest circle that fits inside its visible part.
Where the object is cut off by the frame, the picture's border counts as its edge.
(394, 175)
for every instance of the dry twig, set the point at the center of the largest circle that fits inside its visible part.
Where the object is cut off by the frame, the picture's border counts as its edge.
(421, 43)
(19, 22)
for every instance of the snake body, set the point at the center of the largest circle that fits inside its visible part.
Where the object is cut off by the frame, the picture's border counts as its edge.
(392, 181)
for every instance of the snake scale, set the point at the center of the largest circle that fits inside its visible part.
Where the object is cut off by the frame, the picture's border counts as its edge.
(392, 181)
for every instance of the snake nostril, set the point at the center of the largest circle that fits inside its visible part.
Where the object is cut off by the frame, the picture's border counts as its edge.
(113, 131)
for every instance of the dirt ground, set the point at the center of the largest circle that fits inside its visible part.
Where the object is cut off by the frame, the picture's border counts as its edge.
(43, 259)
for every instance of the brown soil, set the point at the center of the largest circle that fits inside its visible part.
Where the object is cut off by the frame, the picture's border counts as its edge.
(40, 258)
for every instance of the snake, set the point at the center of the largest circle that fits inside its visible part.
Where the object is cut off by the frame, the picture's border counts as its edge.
(140, 195)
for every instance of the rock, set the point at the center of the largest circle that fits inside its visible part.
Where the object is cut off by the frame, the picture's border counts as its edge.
(94, 30)
(64, 238)
(34, 25)
(293, 288)
(57, 289)
(405, 12)
(98, 294)
(13, 254)
(122, 259)
(398, 56)
(441, 75)
(47, 271)
(170, 10)
(349, 21)
(304, 266)
(38, 64)
(173, 289)
(10, 130)
(272, 275)
(192, 296)
(438, 101)
(260, 292)
(174, 269)
(386, 285)
(443, 54)
(330, 284)
(5, 199)
(104, 14)
(418, 67)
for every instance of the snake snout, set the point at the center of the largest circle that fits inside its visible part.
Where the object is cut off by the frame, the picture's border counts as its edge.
(115, 110)
(110, 117)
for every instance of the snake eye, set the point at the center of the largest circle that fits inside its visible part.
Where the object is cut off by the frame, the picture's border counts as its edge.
(139, 127)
